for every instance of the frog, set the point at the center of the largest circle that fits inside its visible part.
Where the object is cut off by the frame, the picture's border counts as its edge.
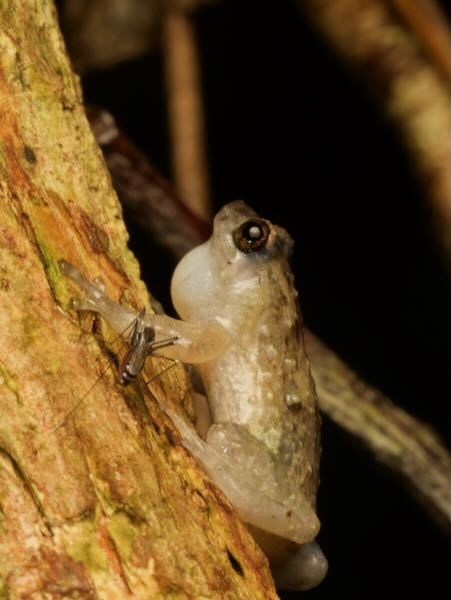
(257, 432)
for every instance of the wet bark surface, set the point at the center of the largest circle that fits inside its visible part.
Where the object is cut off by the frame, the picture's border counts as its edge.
(105, 503)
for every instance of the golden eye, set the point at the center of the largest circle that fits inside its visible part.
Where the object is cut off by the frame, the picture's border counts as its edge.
(251, 236)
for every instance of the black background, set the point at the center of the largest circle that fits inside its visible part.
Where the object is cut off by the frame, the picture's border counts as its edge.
(292, 133)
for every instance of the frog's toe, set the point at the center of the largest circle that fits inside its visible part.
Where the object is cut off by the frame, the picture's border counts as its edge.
(100, 285)
(93, 289)
(82, 304)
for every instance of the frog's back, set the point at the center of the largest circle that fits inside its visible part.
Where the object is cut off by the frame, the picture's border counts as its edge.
(263, 380)
(241, 278)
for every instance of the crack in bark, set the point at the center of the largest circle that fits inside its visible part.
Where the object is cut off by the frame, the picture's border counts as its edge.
(29, 489)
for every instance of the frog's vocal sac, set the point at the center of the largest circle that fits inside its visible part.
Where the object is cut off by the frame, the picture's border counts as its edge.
(258, 432)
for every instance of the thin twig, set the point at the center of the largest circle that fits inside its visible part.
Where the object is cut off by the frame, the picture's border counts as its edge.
(405, 444)
(405, 70)
(185, 112)
(426, 20)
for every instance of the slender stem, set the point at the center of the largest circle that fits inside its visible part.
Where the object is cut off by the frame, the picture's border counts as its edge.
(185, 113)
(405, 444)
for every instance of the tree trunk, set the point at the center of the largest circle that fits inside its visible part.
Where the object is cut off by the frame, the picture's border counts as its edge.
(109, 504)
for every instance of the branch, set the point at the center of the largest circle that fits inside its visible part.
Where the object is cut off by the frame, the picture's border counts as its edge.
(429, 25)
(184, 101)
(406, 445)
(407, 68)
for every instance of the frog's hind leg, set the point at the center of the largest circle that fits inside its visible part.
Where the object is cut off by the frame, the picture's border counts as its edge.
(228, 462)
(247, 475)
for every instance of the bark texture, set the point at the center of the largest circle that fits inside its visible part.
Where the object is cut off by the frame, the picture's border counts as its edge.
(109, 505)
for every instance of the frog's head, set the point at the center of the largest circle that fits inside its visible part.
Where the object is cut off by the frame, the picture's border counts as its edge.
(241, 236)
(211, 277)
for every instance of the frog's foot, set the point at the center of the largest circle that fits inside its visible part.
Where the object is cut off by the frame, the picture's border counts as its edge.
(96, 299)
(94, 289)
(303, 570)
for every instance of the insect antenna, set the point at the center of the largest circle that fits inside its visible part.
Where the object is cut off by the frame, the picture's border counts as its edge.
(76, 404)
(74, 407)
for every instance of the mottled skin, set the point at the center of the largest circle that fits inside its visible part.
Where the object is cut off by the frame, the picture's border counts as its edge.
(243, 329)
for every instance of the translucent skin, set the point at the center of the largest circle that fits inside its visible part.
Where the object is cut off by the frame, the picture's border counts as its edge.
(243, 329)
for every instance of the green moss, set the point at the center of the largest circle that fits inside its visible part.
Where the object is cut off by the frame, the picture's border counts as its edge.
(54, 275)
(90, 554)
(85, 548)
(173, 593)
(55, 365)
(35, 199)
(4, 595)
(8, 380)
(2, 526)
(124, 531)
(3, 161)
(31, 329)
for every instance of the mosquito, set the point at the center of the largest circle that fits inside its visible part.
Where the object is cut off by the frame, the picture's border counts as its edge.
(142, 345)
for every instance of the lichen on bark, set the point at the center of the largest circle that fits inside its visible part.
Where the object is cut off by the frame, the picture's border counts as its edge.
(109, 504)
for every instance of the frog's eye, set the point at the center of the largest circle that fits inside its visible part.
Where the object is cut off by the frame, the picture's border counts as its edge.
(251, 236)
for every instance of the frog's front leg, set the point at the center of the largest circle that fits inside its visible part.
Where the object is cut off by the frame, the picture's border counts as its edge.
(120, 318)
(196, 342)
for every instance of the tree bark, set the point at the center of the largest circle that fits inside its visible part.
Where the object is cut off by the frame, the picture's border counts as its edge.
(109, 505)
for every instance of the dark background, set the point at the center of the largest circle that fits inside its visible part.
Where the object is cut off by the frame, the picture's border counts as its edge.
(292, 133)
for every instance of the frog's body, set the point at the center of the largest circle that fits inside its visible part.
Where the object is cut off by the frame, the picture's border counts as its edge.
(243, 329)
